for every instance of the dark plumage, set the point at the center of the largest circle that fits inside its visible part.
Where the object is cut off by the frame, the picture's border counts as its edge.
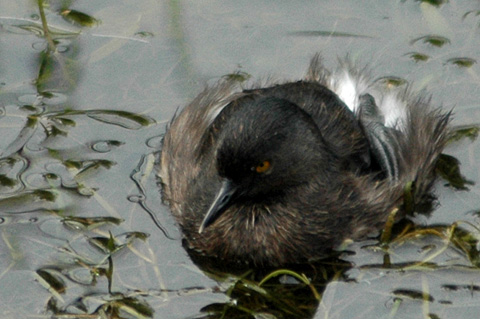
(284, 173)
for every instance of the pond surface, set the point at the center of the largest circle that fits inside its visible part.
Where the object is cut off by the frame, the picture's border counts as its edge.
(80, 126)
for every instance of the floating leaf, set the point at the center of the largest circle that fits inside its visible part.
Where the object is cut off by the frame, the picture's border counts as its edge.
(136, 235)
(51, 176)
(468, 243)
(451, 287)
(435, 40)
(435, 3)
(474, 12)
(45, 195)
(73, 164)
(100, 243)
(55, 131)
(53, 279)
(462, 62)
(237, 76)
(114, 143)
(414, 294)
(105, 146)
(106, 245)
(90, 222)
(418, 57)
(46, 68)
(29, 108)
(121, 118)
(23, 137)
(56, 73)
(109, 272)
(52, 305)
(79, 18)
(88, 165)
(98, 163)
(7, 181)
(460, 133)
(127, 238)
(65, 121)
(391, 81)
(47, 95)
(28, 201)
(448, 167)
(144, 34)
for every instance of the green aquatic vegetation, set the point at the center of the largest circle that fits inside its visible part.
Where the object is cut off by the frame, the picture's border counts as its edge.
(46, 32)
(462, 132)
(89, 223)
(418, 57)
(391, 81)
(79, 18)
(462, 62)
(448, 167)
(434, 40)
(238, 76)
(435, 3)
(108, 303)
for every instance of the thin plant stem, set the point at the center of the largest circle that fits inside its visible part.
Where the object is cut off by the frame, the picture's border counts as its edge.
(51, 43)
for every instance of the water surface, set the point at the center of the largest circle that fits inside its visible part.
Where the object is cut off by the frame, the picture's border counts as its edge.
(81, 124)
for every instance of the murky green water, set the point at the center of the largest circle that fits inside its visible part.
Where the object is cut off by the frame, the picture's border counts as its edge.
(80, 127)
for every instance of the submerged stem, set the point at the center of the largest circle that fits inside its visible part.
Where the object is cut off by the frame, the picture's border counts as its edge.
(51, 43)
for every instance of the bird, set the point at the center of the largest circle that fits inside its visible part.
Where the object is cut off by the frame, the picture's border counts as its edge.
(283, 172)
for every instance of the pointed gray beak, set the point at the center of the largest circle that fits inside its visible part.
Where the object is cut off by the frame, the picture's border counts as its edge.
(222, 200)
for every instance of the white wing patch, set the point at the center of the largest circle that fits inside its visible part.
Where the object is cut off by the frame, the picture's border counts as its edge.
(350, 85)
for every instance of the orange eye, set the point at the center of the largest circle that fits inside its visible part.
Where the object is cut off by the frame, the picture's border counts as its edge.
(263, 167)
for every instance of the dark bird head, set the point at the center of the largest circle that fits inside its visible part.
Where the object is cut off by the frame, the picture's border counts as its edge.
(266, 147)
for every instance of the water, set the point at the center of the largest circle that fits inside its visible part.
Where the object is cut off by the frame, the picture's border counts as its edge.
(80, 128)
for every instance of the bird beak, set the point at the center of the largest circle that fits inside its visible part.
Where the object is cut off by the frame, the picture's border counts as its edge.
(224, 197)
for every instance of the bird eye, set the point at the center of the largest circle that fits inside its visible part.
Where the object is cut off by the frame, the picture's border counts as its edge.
(263, 167)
